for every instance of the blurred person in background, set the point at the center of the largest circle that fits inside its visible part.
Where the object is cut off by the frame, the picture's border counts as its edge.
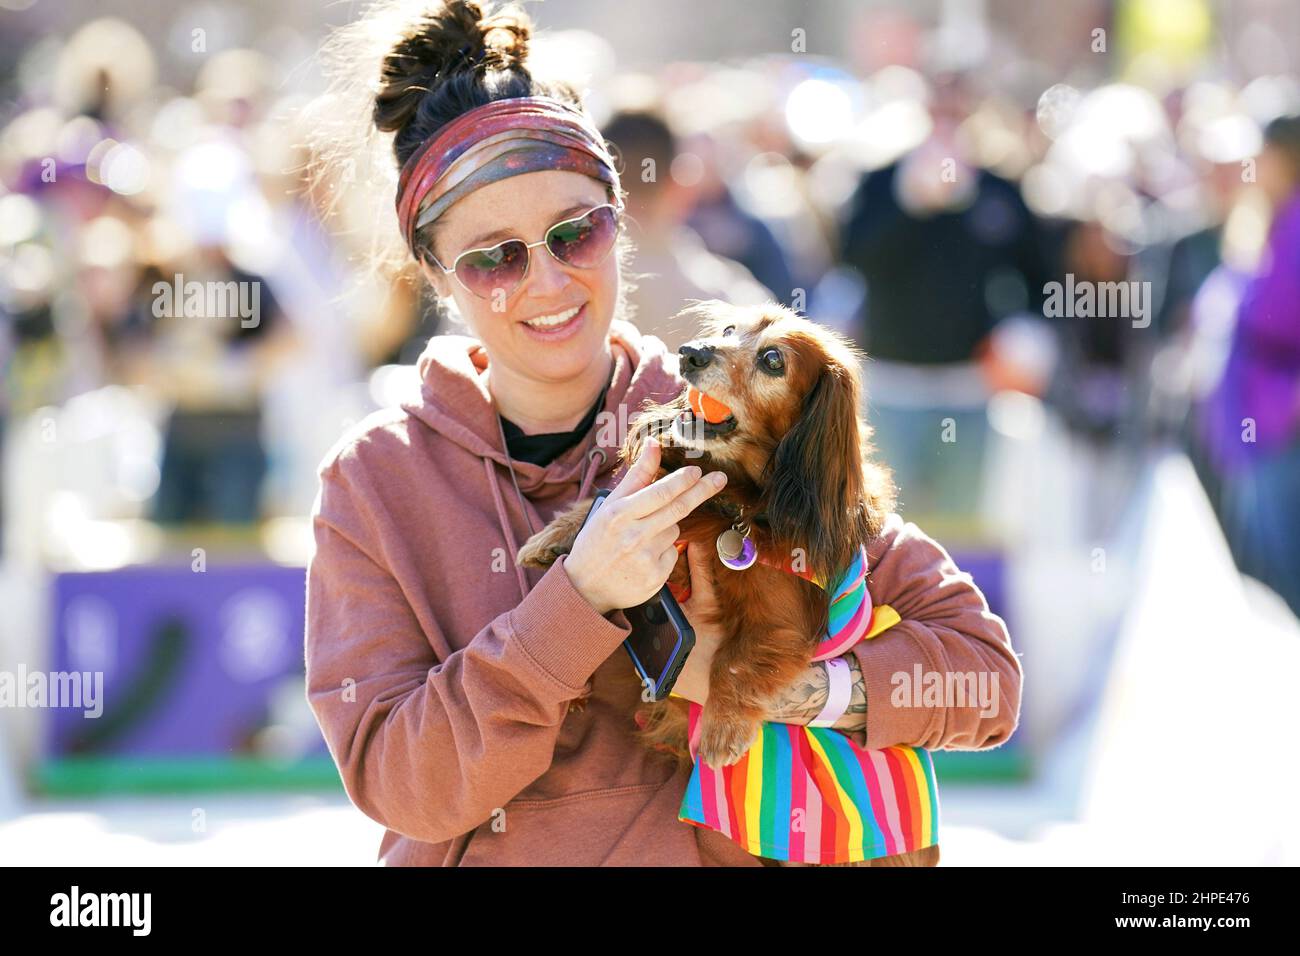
(68, 275)
(217, 358)
(731, 231)
(1251, 421)
(1201, 283)
(214, 369)
(402, 323)
(938, 241)
(671, 264)
(34, 359)
(1099, 386)
(111, 317)
(1220, 147)
(775, 184)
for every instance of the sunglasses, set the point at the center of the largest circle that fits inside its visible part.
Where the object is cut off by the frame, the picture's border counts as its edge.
(582, 242)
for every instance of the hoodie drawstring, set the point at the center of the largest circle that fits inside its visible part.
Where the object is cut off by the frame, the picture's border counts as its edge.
(589, 478)
(590, 470)
(506, 529)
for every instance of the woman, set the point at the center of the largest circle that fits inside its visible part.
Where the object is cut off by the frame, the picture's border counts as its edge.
(483, 712)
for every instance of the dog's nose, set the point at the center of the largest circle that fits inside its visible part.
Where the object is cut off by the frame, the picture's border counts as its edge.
(695, 358)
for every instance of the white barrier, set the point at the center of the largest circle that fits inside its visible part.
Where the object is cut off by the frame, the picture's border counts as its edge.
(1194, 760)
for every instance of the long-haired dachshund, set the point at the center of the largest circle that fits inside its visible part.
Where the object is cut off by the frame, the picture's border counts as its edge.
(773, 400)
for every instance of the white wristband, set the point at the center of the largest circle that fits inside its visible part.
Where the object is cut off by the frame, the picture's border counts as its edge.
(839, 693)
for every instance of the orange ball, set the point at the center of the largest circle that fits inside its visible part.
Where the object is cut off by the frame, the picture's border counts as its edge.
(710, 409)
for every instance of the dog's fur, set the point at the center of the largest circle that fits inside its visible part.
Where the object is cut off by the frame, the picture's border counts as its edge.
(798, 459)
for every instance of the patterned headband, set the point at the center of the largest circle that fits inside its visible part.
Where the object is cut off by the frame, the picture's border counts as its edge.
(503, 138)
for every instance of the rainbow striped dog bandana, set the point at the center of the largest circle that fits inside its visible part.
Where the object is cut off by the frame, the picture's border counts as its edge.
(810, 794)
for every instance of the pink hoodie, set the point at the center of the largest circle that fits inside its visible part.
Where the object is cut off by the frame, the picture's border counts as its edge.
(442, 674)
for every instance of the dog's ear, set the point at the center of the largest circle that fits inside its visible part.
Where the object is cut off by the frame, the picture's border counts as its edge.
(815, 477)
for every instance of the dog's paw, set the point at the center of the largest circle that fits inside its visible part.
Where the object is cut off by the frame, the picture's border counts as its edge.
(541, 551)
(725, 739)
(557, 538)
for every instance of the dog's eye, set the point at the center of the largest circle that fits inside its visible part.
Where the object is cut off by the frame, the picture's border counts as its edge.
(729, 330)
(770, 360)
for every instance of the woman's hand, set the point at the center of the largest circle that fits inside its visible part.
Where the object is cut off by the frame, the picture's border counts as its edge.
(625, 553)
(701, 610)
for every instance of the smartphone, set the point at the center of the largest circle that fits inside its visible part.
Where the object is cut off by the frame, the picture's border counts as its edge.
(661, 637)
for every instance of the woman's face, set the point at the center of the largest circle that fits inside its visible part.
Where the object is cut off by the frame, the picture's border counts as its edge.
(524, 207)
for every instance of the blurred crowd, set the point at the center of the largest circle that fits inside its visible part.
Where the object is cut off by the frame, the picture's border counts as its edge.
(187, 322)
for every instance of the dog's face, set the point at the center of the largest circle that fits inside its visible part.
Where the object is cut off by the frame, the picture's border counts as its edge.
(778, 397)
(757, 366)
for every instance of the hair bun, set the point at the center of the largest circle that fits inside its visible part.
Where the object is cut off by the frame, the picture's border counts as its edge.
(455, 37)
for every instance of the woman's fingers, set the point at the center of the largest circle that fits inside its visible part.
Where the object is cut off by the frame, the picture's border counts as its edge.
(640, 475)
(665, 538)
(662, 493)
(691, 498)
(621, 558)
(668, 560)
(668, 500)
(703, 599)
(698, 558)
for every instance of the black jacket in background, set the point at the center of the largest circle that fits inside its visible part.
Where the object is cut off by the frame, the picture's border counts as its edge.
(936, 286)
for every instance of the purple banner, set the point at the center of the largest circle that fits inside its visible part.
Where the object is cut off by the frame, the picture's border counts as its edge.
(195, 663)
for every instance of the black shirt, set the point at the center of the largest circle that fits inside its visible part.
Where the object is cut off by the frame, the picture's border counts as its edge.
(544, 449)
(937, 284)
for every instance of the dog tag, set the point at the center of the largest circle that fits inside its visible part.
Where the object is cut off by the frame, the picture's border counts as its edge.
(735, 550)
(730, 544)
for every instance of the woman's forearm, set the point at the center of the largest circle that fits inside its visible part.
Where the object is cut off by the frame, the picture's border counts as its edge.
(807, 696)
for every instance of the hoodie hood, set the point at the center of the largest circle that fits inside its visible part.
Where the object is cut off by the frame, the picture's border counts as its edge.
(455, 402)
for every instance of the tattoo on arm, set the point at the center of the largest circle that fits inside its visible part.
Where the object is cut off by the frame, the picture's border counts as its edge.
(805, 698)
(855, 717)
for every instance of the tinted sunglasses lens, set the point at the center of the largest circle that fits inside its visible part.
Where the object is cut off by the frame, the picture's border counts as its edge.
(485, 271)
(585, 241)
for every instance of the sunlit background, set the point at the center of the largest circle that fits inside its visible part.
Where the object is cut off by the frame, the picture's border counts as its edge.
(916, 175)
